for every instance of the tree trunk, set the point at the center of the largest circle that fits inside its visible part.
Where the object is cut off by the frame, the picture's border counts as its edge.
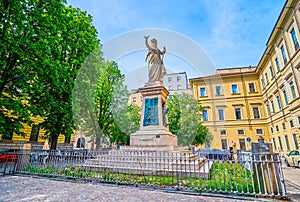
(98, 142)
(54, 140)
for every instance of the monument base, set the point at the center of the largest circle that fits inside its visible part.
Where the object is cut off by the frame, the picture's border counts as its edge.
(169, 149)
(153, 137)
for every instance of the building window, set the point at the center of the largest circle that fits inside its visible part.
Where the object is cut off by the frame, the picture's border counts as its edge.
(299, 120)
(274, 143)
(223, 132)
(242, 144)
(277, 64)
(294, 38)
(287, 142)
(241, 132)
(285, 97)
(218, 90)
(202, 92)
(295, 141)
(273, 106)
(277, 128)
(267, 78)
(169, 79)
(67, 139)
(272, 130)
(260, 140)
(205, 115)
(170, 88)
(268, 109)
(224, 144)
(221, 114)
(141, 99)
(262, 83)
(234, 89)
(251, 87)
(292, 124)
(134, 99)
(34, 135)
(283, 54)
(279, 102)
(292, 87)
(178, 87)
(238, 113)
(283, 126)
(259, 131)
(272, 72)
(256, 113)
(178, 78)
(280, 143)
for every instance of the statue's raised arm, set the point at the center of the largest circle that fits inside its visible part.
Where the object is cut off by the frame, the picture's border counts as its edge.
(146, 42)
(156, 68)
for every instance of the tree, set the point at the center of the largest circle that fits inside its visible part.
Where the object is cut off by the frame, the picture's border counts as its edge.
(84, 94)
(100, 102)
(127, 121)
(43, 44)
(109, 82)
(184, 120)
(19, 45)
(203, 136)
(69, 44)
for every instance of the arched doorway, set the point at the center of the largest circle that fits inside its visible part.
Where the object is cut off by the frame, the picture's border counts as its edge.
(80, 142)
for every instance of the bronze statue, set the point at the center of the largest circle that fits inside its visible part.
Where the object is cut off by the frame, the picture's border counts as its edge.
(156, 68)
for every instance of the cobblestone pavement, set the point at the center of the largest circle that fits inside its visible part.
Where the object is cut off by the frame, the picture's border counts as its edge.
(292, 182)
(21, 189)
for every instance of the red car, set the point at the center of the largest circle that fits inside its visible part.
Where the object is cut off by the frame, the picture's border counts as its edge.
(8, 155)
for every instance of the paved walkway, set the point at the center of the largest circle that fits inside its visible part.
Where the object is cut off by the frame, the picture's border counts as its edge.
(19, 189)
(292, 182)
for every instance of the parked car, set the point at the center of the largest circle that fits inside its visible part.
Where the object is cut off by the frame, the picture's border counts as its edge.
(213, 154)
(8, 155)
(293, 159)
(39, 156)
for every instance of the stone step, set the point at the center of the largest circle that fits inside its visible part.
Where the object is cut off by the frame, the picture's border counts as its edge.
(201, 173)
(156, 163)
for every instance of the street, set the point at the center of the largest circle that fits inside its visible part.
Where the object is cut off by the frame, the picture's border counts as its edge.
(292, 182)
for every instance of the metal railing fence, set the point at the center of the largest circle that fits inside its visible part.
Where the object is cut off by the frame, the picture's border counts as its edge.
(248, 174)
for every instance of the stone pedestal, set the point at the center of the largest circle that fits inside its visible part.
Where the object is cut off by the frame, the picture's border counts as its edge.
(153, 126)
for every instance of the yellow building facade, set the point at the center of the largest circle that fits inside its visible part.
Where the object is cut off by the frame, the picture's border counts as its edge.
(35, 136)
(261, 104)
(279, 75)
(233, 108)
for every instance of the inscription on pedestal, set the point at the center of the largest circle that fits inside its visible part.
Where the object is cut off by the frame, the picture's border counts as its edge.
(151, 112)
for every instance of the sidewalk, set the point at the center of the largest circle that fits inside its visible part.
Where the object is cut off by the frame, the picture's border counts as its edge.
(292, 182)
(16, 188)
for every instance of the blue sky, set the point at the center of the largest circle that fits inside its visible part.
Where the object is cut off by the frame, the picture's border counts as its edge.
(232, 32)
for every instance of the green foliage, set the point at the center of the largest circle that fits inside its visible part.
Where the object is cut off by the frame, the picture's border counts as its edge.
(224, 177)
(100, 102)
(174, 114)
(127, 120)
(84, 93)
(42, 46)
(109, 82)
(115, 117)
(230, 176)
(77, 39)
(184, 120)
